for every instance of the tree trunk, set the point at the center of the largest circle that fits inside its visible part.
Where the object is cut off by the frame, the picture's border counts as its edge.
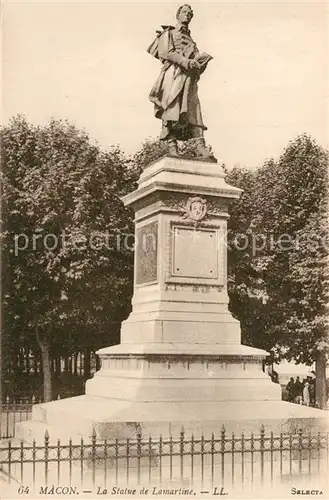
(70, 364)
(2, 372)
(58, 367)
(86, 364)
(321, 383)
(75, 364)
(46, 365)
(21, 360)
(27, 354)
(35, 363)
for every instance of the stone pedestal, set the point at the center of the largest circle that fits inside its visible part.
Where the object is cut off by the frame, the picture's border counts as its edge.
(180, 361)
(180, 344)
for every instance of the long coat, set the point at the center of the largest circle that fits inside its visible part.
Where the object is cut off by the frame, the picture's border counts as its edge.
(175, 92)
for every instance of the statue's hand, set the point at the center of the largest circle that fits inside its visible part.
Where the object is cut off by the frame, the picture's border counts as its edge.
(194, 65)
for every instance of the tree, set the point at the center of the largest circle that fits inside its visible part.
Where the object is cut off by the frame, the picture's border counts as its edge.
(67, 273)
(310, 309)
(243, 277)
(289, 256)
(297, 270)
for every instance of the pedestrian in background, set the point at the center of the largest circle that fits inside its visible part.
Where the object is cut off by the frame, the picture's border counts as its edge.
(298, 390)
(306, 394)
(290, 389)
(311, 381)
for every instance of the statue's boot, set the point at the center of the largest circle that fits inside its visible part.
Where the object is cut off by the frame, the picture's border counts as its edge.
(172, 147)
(202, 151)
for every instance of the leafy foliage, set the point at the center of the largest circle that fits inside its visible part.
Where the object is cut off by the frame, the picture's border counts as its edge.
(284, 209)
(65, 283)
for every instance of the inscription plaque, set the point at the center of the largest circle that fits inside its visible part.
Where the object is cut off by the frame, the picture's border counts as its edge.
(147, 253)
(195, 253)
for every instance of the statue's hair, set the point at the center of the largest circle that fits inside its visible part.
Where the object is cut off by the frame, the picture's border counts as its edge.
(180, 8)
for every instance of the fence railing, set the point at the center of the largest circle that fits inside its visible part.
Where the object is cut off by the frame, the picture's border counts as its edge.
(187, 461)
(23, 374)
(13, 411)
(29, 361)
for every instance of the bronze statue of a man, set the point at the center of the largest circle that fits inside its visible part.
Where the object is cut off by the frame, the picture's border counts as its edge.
(175, 92)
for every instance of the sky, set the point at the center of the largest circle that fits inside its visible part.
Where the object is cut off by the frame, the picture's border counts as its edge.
(87, 62)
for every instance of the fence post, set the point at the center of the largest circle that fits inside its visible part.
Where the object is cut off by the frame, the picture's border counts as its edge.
(9, 461)
(105, 462)
(262, 434)
(222, 450)
(160, 458)
(242, 458)
(300, 447)
(319, 450)
(233, 451)
(202, 459)
(150, 458)
(22, 460)
(46, 456)
(82, 448)
(70, 458)
(290, 454)
(192, 458)
(7, 416)
(93, 454)
(170, 455)
(33, 461)
(116, 461)
(252, 458)
(212, 450)
(310, 452)
(127, 458)
(139, 437)
(58, 461)
(181, 452)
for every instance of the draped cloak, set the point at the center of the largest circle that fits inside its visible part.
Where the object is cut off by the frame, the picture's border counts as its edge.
(175, 92)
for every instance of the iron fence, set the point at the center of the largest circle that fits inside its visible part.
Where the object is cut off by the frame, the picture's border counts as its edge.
(12, 412)
(15, 410)
(27, 361)
(185, 461)
(22, 372)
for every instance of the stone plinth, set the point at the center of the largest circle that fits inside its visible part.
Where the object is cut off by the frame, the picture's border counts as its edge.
(180, 293)
(180, 344)
(180, 361)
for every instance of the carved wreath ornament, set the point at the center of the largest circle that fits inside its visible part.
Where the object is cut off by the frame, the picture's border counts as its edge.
(196, 209)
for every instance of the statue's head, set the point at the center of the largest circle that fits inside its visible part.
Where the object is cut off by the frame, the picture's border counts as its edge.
(184, 14)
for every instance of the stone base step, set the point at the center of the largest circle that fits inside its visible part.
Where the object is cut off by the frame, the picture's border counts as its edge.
(111, 419)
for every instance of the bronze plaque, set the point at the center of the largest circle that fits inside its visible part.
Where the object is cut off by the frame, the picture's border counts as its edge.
(147, 253)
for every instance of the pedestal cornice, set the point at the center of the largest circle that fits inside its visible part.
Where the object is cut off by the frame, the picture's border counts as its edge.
(182, 176)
